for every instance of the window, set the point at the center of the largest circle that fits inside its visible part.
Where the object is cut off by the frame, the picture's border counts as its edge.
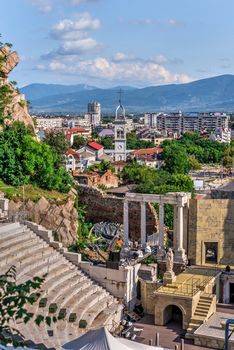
(120, 133)
(211, 252)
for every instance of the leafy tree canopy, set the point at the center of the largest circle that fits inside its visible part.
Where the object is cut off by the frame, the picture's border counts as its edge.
(103, 166)
(107, 142)
(134, 143)
(23, 160)
(14, 299)
(79, 141)
(150, 180)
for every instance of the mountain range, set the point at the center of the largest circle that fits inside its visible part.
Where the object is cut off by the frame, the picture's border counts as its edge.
(211, 94)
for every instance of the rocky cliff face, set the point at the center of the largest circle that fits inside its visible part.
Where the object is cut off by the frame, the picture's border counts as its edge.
(17, 106)
(61, 219)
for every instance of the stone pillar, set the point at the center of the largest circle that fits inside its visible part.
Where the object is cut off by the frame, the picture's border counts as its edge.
(125, 223)
(180, 228)
(180, 252)
(226, 291)
(175, 228)
(161, 226)
(143, 224)
(161, 251)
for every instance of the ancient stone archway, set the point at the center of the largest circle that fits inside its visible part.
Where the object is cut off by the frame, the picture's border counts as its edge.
(173, 313)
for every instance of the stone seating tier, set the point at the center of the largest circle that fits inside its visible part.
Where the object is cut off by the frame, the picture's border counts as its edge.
(65, 287)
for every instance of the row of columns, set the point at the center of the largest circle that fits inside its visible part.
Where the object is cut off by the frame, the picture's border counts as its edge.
(178, 223)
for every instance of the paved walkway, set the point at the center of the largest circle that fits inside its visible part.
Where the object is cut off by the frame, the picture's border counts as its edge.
(169, 335)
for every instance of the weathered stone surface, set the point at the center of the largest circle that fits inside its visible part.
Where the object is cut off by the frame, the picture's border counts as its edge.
(12, 59)
(101, 207)
(61, 219)
(211, 220)
(17, 108)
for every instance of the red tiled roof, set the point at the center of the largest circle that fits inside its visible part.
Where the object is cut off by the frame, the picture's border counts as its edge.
(71, 151)
(95, 145)
(75, 130)
(145, 151)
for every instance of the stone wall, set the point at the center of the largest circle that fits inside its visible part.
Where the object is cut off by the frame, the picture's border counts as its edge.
(101, 207)
(148, 297)
(211, 220)
(61, 219)
(184, 303)
(121, 283)
(209, 342)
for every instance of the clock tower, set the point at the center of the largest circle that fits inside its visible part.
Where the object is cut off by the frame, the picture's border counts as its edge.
(120, 132)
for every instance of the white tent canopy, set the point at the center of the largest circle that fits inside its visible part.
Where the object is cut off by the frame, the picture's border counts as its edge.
(101, 339)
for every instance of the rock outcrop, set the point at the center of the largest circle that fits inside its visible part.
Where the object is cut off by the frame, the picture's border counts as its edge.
(61, 219)
(17, 107)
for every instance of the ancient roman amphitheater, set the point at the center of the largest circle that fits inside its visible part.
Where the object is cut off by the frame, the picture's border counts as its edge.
(68, 293)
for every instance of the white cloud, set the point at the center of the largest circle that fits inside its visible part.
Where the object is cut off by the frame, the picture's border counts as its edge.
(160, 59)
(83, 22)
(78, 46)
(154, 22)
(140, 72)
(74, 37)
(78, 2)
(44, 6)
(120, 57)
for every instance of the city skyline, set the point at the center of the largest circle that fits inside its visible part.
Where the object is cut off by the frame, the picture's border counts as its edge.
(107, 43)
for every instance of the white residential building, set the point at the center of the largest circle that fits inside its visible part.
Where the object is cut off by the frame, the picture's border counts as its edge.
(49, 123)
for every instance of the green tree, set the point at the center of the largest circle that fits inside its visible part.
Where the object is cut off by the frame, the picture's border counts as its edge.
(194, 163)
(79, 141)
(175, 158)
(107, 142)
(24, 160)
(14, 299)
(57, 141)
(103, 166)
(228, 161)
(134, 143)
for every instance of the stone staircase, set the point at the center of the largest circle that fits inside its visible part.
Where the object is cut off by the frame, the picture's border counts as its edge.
(202, 312)
(68, 293)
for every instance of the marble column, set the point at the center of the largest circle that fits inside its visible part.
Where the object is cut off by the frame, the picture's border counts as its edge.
(175, 228)
(161, 226)
(180, 228)
(143, 224)
(125, 223)
(180, 252)
(161, 251)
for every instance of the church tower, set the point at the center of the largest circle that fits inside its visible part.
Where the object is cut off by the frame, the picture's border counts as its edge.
(120, 132)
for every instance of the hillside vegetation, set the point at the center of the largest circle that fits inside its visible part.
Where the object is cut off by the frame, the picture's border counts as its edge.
(24, 160)
(31, 192)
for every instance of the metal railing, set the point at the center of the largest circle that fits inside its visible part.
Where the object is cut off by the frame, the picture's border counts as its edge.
(190, 286)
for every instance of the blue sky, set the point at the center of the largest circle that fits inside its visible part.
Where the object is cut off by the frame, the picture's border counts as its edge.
(112, 42)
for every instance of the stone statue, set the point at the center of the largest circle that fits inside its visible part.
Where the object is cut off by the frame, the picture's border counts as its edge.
(169, 260)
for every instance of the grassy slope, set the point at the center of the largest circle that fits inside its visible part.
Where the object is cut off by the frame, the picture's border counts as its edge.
(32, 192)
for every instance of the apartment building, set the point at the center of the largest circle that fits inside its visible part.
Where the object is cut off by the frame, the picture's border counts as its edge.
(48, 123)
(181, 123)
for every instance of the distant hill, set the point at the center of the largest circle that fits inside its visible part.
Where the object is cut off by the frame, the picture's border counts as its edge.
(36, 91)
(216, 93)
